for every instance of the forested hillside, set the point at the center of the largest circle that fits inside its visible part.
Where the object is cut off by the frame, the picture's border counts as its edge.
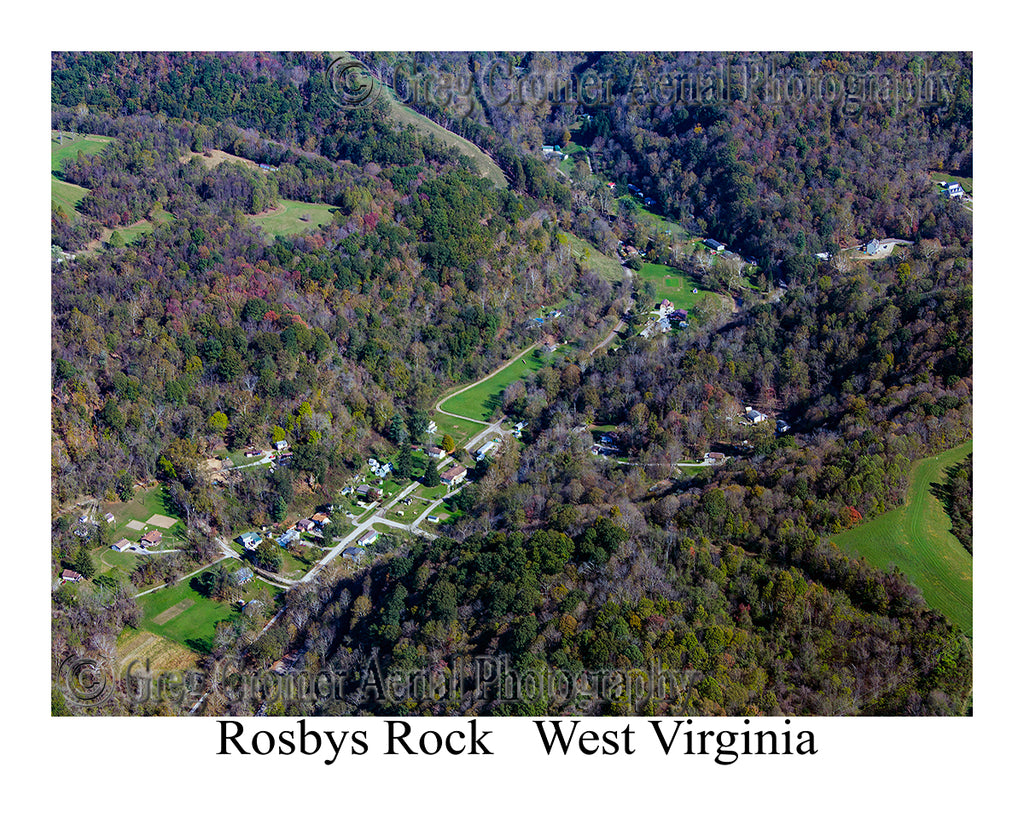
(206, 333)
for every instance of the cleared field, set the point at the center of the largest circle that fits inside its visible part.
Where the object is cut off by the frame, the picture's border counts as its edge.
(145, 503)
(67, 196)
(173, 611)
(215, 158)
(194, 620)
(460, 430)
(291, 217)
(604, 265)
(917, 539)
(160, 653)
(659, 223)
(482, 400)
(134, 231)
(403, 115)
(966, 182)
(671, 284)
(69, 148)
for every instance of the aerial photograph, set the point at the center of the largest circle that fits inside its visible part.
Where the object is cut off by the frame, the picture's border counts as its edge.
(401, 384)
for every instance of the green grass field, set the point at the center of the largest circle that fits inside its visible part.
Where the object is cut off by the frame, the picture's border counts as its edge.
(403, 115)
(484, 399)
(67, 196)
(290, 217)
(607, 267)
(133, 232)
(62, 193)
(659, 223)
(87, 144)
(966, 182)
(460, 430)
(671, 284)
(144, 504)
(916, 538)
(193, 625)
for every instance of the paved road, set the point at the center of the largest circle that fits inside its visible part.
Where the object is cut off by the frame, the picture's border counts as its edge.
(183, 577)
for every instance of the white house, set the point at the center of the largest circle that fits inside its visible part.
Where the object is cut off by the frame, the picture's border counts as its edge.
(486, 448)
(954, 190)
(879, 246)
(368, 538)
(754, 416)
(279, 445)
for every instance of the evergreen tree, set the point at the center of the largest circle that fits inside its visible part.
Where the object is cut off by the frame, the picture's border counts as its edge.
(83, 563)
(403, 467)
(430, 476)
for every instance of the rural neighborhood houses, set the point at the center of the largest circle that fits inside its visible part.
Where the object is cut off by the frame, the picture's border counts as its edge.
(151, 538)
(754, 416)
(70, 576)
(486, 449)
(435, 452)
(368, 538)
(249, 540)
(454, 476)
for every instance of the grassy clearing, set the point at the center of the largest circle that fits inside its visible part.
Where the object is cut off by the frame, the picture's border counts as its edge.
(409, 513)
(658, 223)
(671, 284)
(604, 265)
(966, 182)
(484, 165)
(66, 196)
(133, 232)
(192, 626)
(160, 653)
(294, 566)
(403, 115)
(916, 538)
(484, 399)
(216, 157)
(461, 431)
(291, 217)
(145, 503)
(61, 152)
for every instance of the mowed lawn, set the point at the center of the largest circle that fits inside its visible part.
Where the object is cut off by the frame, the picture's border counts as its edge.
(916, 538)
(154, 500)
(181, 614)
(67, 196)
(291, 217)
(966, 182)
(61, 152)
(460, 430)
(671, 284)
(139, 229)
(484, 399)
(62, 193)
